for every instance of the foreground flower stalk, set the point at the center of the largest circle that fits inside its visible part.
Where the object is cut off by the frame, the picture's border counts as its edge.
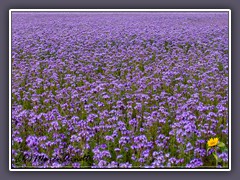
(215, 144)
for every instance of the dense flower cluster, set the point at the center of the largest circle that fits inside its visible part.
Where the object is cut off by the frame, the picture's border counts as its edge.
(121, 90)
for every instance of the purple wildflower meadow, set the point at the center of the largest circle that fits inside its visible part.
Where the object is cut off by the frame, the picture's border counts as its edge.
(120, 90)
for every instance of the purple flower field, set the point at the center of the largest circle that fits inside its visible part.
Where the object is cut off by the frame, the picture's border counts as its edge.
(120, 90)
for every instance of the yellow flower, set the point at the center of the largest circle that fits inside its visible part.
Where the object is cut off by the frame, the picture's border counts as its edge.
(212, 142)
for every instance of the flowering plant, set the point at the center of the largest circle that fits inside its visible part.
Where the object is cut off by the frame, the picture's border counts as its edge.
(216, 145)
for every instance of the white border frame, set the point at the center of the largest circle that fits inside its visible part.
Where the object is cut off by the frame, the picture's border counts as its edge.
(119, 10)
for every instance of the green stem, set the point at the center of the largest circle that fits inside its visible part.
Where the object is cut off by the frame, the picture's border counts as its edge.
(217, 157)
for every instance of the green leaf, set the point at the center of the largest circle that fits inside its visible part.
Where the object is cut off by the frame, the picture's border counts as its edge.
(221, 144)
(219, 160)
(208, 149)
(223, 149)
(215, 156)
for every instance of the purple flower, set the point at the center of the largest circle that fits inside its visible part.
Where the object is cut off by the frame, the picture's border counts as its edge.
(56, 165)
(223, 156)
(194, 163)
(125, 165)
